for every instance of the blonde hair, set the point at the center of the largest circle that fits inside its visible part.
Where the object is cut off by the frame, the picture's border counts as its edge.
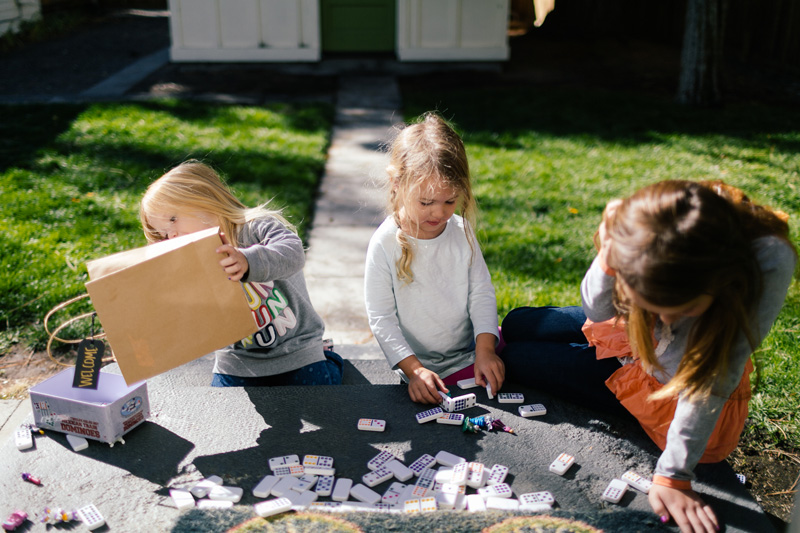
(427, 148)
(676, 240)
(194, 187)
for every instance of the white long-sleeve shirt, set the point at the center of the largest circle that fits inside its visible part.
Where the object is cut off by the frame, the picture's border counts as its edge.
(438, 316)
(694, 421)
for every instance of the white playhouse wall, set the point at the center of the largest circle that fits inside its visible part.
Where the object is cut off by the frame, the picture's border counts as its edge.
(289, 30)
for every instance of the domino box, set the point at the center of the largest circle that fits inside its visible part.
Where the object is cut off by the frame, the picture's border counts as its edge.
(104, 414)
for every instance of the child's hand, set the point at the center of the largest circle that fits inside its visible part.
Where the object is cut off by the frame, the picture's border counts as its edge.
(234, 263)
(489, 368)
(423, 384)
(690, 512)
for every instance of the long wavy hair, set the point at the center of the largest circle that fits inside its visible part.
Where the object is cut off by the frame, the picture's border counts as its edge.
(194, 187)
(676, 240)
(428, 148)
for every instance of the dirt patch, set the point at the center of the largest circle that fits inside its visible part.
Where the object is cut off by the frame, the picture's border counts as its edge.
(771, 476)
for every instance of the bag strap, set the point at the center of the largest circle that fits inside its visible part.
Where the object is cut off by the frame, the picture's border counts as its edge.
(52, 335)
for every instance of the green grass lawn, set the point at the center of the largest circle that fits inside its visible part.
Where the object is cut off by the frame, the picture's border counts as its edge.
(71, 177)
(545, 162)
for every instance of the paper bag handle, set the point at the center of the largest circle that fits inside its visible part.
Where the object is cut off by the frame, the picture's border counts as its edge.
(52, 334)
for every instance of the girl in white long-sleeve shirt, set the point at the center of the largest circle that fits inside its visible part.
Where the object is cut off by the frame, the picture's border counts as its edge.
(688, 279)
(429, 297)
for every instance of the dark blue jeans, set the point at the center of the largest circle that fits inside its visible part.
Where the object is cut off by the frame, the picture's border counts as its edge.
(546, 350)
(327, 372)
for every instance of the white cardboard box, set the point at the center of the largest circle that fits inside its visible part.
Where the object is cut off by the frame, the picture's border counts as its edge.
(105, 414)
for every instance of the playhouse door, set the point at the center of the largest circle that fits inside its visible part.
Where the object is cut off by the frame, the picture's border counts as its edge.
(358, 25)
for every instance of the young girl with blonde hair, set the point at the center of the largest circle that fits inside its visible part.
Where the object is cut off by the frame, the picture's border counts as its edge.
(429, 296)
(260, 249)
(688, 279)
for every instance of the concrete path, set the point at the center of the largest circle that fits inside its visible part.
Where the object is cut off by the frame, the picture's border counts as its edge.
(350, 207)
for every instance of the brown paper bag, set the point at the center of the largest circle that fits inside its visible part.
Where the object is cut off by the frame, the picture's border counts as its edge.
(166, 304)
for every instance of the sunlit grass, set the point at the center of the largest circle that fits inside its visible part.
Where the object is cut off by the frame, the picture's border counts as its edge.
(545, 162)
(71, 178)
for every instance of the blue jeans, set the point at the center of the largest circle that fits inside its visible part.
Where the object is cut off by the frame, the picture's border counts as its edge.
(327, 372)
(546, 350)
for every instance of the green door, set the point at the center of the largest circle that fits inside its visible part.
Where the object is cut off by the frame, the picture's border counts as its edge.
(358, 25)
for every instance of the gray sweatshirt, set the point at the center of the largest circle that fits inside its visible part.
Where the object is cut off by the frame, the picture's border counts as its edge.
(694, 421)
(291, 330)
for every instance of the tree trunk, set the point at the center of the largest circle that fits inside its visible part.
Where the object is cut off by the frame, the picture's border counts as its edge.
(701, 57)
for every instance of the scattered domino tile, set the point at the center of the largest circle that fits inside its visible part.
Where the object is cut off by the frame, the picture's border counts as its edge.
(460, 473)
(376, 477)
(428, 504)
(341, 490)
(284, 485)
(535, 507)
(371, 424)
(497, 475)
(23, 437)
(742, 479)
(294, 471)
(443, 475)
(454, 419)
(364, 494)
(324, 486)
(535, 498)
(430, 414)
(476, 503)
(636, 481)
(214, 504)
(306, 481)
(448, 459)
(489, 391)
(325, 506)
(466, 383)
(393, 493)
(301, 500)
(459, 403)
(476, 477)
(201, 488)
(422, 463)
(286, 460)
(400, 471)
(182, 499)
(77, 443)
(228, 494)
(562, 464)
(319, 465)
(427, 478)
(90, 516)
(502, 504)
(451, 488)
(615, 491)
(447, 500)
(272, 507)
(412, 506)
(510, 397)
(534, 409)
(262, 490)
(380, 460)
(501, 490)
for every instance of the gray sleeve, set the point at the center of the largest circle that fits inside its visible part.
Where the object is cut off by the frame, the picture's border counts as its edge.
(272, 250)
(694, 421)
(597, 289)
